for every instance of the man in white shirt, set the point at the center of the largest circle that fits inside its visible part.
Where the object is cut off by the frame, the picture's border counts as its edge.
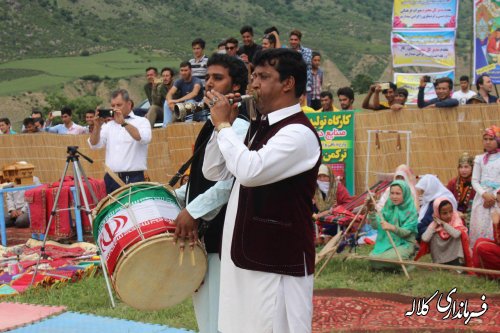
(464, 94)
(126, 139)
(205, 201)
(267, 261)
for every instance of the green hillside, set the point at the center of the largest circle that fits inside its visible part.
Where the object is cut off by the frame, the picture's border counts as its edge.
(354, 34)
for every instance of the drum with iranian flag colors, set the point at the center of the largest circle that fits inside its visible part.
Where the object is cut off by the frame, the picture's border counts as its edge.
(133, 227)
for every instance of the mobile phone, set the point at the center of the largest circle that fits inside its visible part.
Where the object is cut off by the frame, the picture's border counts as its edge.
(427, 78)
(384, 86)
(105, 113)
(56, 113)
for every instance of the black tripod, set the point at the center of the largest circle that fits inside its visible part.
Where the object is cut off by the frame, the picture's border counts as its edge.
(80, 177)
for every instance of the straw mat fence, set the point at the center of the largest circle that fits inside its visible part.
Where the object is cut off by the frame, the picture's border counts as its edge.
(439, 137)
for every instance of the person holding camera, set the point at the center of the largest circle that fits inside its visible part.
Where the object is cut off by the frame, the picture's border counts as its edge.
(444, 89)
(126, 140)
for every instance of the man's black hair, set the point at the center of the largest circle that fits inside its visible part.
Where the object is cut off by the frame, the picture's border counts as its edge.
(5, 120)
(232, 40)
(464, 78)
(271, 29)
(66, 110)
(28, 121)
(316, 54)
(90, 111)
(198, 41)
(480, 80)
(172, 72)
(185, 64)
(402, 91)
(347, 92)
(443, 80)
(237, 69)
(246, 28)
(152, 68)
(288, 63)
(326, 94)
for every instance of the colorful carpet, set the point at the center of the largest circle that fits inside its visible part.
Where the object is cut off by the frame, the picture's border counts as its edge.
(63, 263)
(84, 323)
(345, 310)
(13, 315)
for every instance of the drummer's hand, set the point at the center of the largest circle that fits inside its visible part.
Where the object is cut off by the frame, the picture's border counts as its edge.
(186, 229)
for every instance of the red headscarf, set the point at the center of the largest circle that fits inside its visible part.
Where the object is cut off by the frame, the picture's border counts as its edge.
(494, 132)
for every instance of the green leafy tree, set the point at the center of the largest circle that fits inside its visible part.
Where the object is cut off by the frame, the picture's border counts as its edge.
(79, 105)
(361, 83)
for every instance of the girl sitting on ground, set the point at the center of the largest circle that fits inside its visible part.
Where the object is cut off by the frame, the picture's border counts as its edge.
(400, 220)
(446, 237)
(403, 172)
(430, 188)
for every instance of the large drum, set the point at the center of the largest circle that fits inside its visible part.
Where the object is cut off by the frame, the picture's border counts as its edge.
(133, 227)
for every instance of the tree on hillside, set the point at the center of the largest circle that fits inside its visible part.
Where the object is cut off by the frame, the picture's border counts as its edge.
(361, 83)
(79, 105)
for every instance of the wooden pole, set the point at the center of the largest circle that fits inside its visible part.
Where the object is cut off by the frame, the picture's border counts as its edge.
(425, 264)
(390, 237)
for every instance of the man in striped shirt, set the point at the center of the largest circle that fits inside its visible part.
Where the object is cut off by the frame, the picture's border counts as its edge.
(199, 62)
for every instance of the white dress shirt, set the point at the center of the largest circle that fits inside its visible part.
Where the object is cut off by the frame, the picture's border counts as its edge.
(123, 152)
(266, 302)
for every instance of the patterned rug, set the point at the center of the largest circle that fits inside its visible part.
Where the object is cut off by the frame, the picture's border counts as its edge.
(345, 310)
(14, 315)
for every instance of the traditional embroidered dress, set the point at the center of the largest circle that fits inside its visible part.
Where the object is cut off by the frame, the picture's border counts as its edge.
(485, 179)
(486, 253)
(404, 217)
(462, 190)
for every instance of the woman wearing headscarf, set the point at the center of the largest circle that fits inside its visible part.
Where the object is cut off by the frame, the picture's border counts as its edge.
(485, 180)
(329, 194)
(403, 172)
(446, 237)
(486, 252)
(400, 220)
(461, 187)
(430, 188)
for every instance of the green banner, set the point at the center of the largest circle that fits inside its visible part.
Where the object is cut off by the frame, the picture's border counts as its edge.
(336, 132)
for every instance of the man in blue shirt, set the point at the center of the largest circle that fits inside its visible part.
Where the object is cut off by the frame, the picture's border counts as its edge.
(443, 87)
(67, 127)
(484, 87)
(295, 44)
(189, 87)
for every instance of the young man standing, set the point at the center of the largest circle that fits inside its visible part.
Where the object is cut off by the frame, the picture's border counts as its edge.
(464, 94)
(443, 86)
(484, 87)
(247, 51)
(199, 62)
(205, 201)
(346, 98)
(67, 127)
(268, 253)
(5, 126)
(313, 97)
(295, 44)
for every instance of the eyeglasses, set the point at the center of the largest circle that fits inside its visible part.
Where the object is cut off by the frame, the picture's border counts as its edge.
(230, 48)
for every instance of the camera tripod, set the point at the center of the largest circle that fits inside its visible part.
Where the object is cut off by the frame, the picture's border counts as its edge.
(80, 177)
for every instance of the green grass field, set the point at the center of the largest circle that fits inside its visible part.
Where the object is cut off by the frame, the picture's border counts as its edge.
(90, 295)
(43, 73)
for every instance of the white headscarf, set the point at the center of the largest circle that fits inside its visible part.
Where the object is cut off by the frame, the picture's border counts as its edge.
(433, 189)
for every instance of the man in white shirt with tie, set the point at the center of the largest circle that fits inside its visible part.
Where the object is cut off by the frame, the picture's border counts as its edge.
(268, 252)
(126, 140)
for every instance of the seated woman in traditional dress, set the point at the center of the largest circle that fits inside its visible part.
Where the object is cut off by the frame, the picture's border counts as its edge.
(400, 220)
(403, 172)
(485, 180)
(330, 193)
(486, 252)
(430, 188)
(461, 187)
(446, 237)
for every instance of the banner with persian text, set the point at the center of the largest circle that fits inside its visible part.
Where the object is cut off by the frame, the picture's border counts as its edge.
(411, 81)
(423, 48)
(425, 14)
(336, 132)
(487, 39)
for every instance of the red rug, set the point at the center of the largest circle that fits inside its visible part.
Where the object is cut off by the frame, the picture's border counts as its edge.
(345, 310)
